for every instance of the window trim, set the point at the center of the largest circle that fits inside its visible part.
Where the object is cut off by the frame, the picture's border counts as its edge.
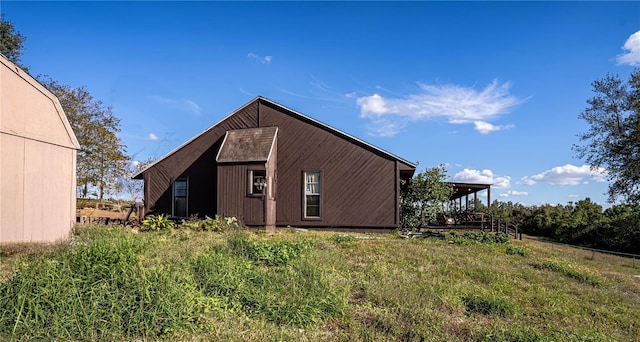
(250, 182)
(304, 196)
(186, 196)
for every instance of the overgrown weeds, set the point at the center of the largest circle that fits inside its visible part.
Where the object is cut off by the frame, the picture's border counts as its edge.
(96, 291)
(192, 284)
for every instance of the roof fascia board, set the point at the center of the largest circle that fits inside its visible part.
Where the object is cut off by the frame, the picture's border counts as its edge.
(273, 143)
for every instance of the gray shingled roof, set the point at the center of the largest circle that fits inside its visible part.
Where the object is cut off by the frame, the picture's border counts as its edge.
(247, 145)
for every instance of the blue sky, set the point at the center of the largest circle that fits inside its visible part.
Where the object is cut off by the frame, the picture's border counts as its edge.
(493, 90)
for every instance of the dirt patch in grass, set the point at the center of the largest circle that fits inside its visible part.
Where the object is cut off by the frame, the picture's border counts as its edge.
(112, 214)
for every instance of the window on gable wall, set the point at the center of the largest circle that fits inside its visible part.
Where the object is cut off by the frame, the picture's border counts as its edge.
(180, 198)
(312, 193)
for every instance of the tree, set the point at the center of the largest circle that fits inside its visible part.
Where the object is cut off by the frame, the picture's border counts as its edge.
(423, 196)
(613, 139)
(101, 160)
(133, 187)
(11, 42)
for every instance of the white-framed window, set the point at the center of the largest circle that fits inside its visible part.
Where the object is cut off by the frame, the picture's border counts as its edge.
(257, 181)
(312, 194)
(179, 206)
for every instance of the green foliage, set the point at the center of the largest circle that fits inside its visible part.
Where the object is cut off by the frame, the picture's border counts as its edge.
(113, 284)
(613, 138)
(271, 253)
(572, 271)
(11, 42)
(156, 223)
(298, 295)
(517, 250)
(476, 237)
(422, 197)
(208, 224)
(102, 161)
(96, 291)
(584, 223)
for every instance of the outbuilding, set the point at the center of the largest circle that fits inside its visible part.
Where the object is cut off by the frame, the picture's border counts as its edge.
(37, 161)
(269, 166)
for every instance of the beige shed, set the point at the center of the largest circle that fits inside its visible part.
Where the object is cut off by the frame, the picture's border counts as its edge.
(37, 161)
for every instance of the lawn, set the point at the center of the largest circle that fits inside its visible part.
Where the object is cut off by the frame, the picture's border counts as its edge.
(113, 283)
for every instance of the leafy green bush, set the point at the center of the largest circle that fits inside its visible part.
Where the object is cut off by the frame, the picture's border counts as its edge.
(570, 270)
(517, 250)
(157, 223)
(216, 224)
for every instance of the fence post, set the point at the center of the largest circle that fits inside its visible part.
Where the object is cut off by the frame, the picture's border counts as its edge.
(593, 254)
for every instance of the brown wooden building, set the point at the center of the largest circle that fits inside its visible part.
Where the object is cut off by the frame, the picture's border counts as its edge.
(271, 166)
(37, 161)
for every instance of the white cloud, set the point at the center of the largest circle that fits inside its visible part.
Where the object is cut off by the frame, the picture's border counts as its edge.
(574, 196)
(483, 177)
(152, 137)
(373, 104)
(180, 104)
(458, 104)
(567, 175)
(263, 60)
(632, 48)
(513, 193)
(486, 128)
(385, 128)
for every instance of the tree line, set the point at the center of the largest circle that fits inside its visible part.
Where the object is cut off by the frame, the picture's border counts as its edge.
(583, 223)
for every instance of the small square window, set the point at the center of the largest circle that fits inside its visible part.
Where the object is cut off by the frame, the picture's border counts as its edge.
(257, 181)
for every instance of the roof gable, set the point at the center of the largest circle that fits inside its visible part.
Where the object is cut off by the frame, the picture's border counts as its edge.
(404, 164)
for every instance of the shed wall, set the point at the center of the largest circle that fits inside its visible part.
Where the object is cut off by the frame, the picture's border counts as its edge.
(37, 161)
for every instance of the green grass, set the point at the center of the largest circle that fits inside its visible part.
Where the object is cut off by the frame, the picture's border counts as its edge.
(115, 284)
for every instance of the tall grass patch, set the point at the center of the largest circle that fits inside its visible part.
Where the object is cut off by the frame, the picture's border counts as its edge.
(96, 291)
(268, 280)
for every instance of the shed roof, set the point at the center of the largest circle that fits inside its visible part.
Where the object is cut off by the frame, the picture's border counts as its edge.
(462, 189)
(247, 145)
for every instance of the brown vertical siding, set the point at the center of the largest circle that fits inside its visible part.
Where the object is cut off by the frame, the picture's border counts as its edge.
(232, 192)
(175, 164)
(358, 186)
(232, 184)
